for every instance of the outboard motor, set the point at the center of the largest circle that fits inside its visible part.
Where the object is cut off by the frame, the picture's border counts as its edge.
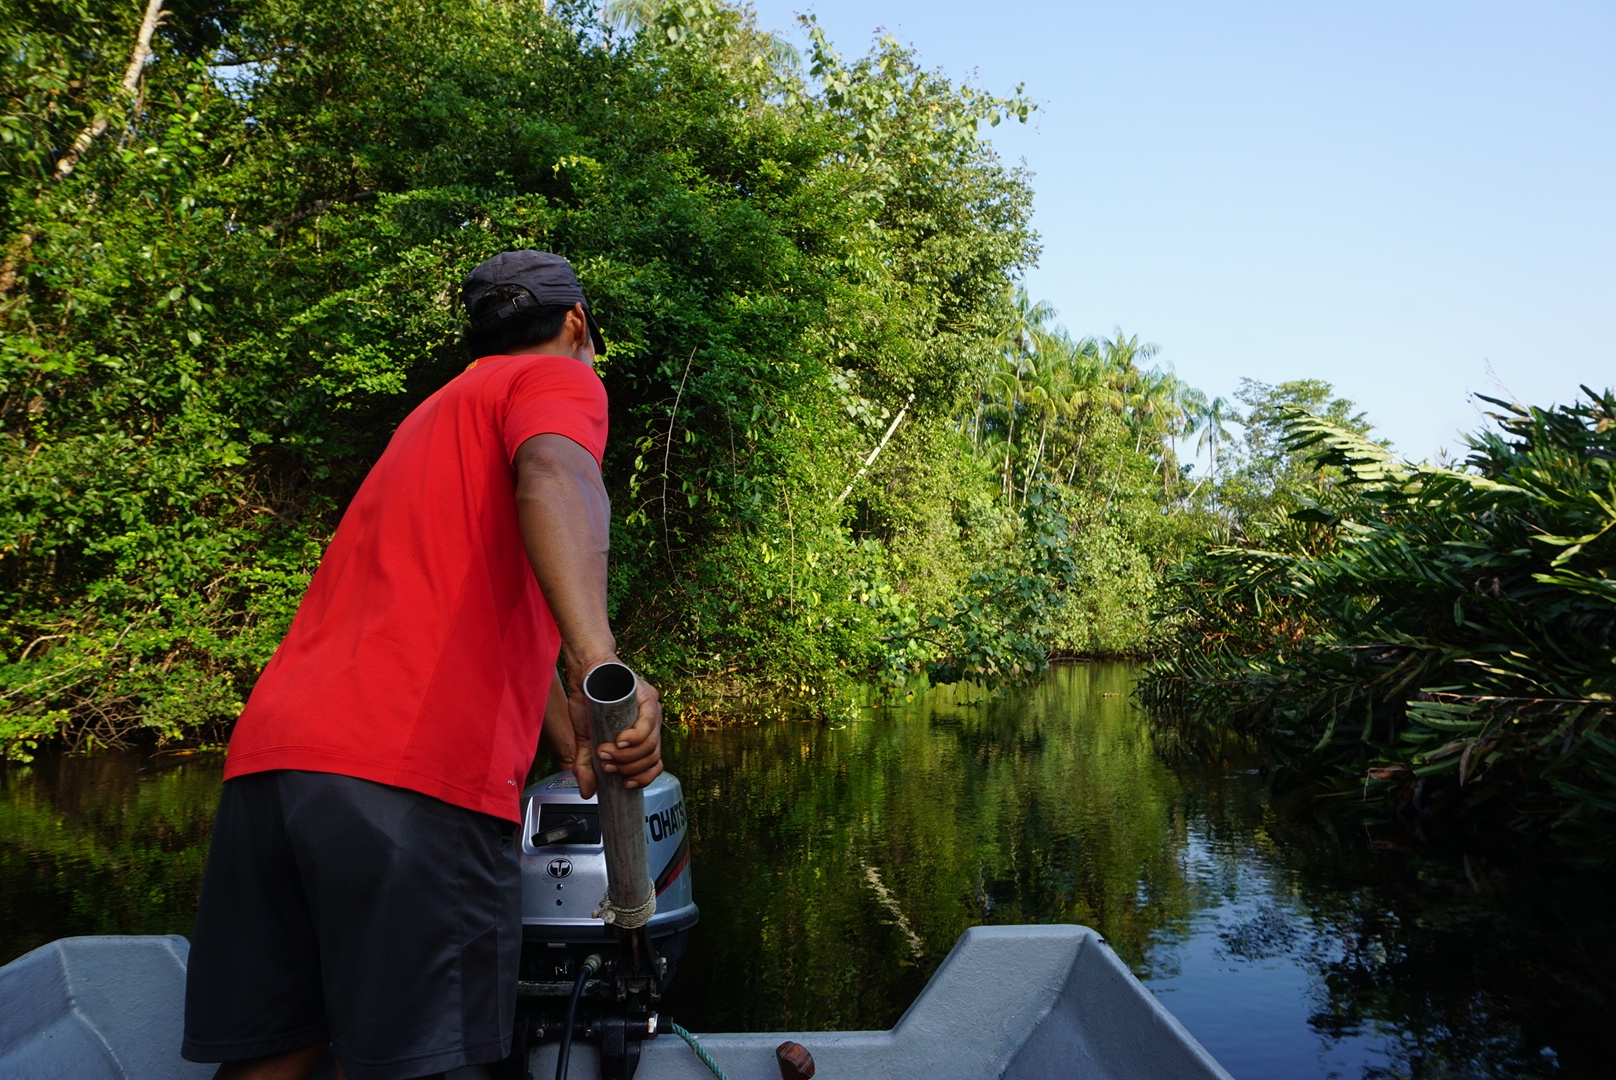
(563, 882)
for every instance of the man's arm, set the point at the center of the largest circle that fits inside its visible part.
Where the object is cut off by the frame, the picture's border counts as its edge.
(566, 526)
(558, 722)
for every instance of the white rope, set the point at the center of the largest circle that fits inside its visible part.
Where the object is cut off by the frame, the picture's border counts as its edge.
(627, 918)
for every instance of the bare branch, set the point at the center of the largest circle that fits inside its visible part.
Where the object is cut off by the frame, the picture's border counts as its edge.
(316, 208)
(667, 455)
(131, 85)
(896, 420)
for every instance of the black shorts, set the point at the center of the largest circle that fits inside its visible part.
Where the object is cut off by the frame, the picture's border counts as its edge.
(383, 919)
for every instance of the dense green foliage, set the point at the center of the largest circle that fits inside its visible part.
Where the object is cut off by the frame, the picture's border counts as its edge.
(1445, 635)
(211, 323)
(1082, 425)
(1258, 481)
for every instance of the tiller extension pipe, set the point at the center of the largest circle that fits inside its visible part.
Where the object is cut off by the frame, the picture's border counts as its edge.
(612, 692)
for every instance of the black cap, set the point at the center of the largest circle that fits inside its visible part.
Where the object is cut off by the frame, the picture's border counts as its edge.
(548, 279)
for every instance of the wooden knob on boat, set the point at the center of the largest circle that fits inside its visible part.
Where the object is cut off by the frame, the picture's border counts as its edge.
(796, 1063)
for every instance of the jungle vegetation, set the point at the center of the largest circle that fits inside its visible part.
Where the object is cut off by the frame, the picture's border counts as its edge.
(1443, 635)
(844, 447)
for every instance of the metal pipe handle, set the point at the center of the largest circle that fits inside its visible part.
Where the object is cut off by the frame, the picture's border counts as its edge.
(612, 691)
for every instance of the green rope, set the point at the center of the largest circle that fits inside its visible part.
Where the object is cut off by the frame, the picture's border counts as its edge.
(706, 1058)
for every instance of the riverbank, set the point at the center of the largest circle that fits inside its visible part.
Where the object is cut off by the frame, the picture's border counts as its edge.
(844, 444)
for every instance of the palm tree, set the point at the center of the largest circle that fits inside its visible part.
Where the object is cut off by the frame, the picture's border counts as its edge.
(1027, 321)
(1175, 412)
(1003, 395)
(1155, 407)
(1088, 376)
(1135, 394)
(1190, 403)
(1016, 343)
(1121, 352)
(1014, 383)
(1213, 415)
(1049, 389)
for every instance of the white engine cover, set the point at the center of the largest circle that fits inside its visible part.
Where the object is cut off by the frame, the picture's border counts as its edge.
(563, 883)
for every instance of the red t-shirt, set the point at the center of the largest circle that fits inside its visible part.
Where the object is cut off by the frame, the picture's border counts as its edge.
(422, 654)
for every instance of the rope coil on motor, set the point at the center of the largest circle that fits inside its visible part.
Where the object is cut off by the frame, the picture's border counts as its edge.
(629, 918)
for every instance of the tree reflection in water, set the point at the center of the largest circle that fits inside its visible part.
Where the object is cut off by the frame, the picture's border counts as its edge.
(836, 864)
(108, 844)
(1292, 941)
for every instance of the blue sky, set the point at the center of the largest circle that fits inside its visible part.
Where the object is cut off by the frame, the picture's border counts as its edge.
(1414, 201)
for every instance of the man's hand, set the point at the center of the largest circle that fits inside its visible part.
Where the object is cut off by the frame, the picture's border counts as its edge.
(636, 755)
(573, 754)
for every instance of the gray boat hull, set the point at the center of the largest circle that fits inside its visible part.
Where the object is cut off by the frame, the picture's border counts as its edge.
(1016, 1002)
(89, 1008)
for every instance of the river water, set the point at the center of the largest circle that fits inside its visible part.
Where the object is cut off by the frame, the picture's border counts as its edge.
(836, 864)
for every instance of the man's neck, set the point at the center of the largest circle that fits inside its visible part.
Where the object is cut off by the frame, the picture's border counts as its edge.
(553, 347)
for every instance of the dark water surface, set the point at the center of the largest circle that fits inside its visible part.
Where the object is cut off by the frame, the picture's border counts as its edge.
(836, 864)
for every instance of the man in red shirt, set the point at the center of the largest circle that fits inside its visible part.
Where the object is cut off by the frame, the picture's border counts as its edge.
(362, 891)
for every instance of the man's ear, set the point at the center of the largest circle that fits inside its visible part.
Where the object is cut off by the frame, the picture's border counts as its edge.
(578, 334)
(577, 326)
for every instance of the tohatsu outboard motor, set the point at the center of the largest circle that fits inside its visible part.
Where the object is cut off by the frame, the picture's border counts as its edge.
(610, 980)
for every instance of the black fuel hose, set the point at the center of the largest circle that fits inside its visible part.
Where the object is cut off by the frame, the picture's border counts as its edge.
(591, 965)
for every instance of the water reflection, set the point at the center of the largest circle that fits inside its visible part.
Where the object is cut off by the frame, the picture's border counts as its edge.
(836, 865)
(111, 844)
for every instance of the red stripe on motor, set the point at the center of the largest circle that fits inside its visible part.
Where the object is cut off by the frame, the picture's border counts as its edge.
(684, 861)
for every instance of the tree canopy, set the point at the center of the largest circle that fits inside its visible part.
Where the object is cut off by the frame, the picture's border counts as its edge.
(229, 267)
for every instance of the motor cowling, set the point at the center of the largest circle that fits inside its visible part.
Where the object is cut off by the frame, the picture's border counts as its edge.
(563, 864)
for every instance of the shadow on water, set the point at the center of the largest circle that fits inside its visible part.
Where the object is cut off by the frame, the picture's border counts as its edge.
(836, 864)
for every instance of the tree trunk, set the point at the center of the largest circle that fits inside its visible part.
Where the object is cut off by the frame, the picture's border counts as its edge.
(1116, 481)
(1038, 457)
(896, 420)
(1009, 457)
(1077, 458)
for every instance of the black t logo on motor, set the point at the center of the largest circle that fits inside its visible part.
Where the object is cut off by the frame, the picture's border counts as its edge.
(560, 867)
